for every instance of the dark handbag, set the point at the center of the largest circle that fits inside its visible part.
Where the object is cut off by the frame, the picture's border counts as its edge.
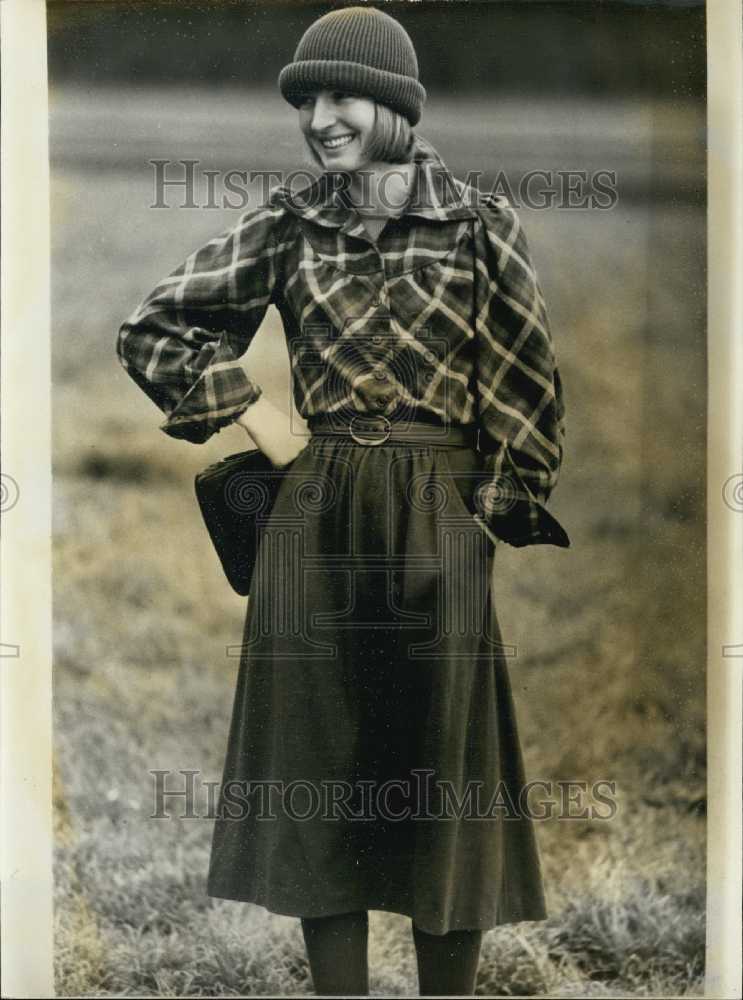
(236, 496)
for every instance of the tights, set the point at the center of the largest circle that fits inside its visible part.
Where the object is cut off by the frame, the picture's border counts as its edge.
(337, 952)
(447, 963)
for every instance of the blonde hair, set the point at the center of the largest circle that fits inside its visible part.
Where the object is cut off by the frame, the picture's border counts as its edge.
(391, 139)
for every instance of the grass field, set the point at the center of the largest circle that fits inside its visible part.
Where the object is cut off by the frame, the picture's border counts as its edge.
(609, 678)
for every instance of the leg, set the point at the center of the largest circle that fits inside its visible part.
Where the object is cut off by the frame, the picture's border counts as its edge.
(447, 963)
(337, 952)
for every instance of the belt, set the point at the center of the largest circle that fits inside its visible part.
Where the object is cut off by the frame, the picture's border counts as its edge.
(375, 429)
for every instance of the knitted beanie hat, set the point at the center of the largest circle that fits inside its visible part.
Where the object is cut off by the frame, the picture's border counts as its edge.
(361, 50)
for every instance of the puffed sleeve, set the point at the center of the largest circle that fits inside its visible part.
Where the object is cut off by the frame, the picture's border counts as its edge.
(182, 345)
(520, 397)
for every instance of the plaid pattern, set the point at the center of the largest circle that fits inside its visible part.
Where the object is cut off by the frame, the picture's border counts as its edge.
(444, 316)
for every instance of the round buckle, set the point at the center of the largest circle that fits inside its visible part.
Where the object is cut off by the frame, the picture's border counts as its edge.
(362, 429)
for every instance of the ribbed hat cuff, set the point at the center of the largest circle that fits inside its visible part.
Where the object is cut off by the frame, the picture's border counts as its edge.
(401, 93)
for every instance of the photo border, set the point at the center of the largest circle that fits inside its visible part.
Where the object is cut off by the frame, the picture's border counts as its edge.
(25, 543)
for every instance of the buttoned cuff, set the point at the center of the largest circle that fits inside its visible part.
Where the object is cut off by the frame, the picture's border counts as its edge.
(199, 427)
(219, 395)
(510, 510)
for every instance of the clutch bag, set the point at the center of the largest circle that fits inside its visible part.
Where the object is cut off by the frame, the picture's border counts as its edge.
(236, 496)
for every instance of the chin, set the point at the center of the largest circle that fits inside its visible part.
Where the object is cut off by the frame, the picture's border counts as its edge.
(349, 164)
(349, 161)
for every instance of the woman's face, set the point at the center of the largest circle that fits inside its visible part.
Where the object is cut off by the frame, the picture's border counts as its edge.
(337, 127)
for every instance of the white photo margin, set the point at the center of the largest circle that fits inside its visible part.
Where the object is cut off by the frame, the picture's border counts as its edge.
(25, 505)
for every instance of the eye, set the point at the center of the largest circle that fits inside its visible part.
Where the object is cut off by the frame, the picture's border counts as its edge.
(306, 101)
(342, 95)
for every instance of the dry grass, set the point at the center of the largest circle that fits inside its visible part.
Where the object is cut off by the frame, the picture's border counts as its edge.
(609, 678)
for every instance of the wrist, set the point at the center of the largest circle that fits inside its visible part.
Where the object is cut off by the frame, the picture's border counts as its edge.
(254, 415)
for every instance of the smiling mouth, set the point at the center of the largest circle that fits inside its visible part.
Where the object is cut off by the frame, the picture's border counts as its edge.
(337, 141)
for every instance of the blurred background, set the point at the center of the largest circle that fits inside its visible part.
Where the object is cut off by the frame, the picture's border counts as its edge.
(609, 677)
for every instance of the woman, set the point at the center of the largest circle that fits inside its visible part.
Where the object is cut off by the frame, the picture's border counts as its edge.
(373, 759)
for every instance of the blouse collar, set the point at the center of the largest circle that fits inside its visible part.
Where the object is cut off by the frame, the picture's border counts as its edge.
(434, 195)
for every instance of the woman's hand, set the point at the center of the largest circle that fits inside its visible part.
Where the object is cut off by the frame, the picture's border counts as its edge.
(270, 428)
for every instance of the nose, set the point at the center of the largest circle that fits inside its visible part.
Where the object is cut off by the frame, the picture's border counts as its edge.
(323, 113)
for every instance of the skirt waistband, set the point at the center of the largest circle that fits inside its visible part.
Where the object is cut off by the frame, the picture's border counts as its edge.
(375, 429)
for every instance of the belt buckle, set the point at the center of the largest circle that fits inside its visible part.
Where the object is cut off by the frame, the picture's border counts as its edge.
(386, 429)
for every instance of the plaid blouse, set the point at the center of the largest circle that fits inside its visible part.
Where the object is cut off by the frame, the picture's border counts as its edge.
(443, 314)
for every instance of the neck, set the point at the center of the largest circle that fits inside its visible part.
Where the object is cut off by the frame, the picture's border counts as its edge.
(381, 189)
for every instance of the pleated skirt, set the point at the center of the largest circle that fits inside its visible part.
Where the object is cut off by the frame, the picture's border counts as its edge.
(373, 758)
